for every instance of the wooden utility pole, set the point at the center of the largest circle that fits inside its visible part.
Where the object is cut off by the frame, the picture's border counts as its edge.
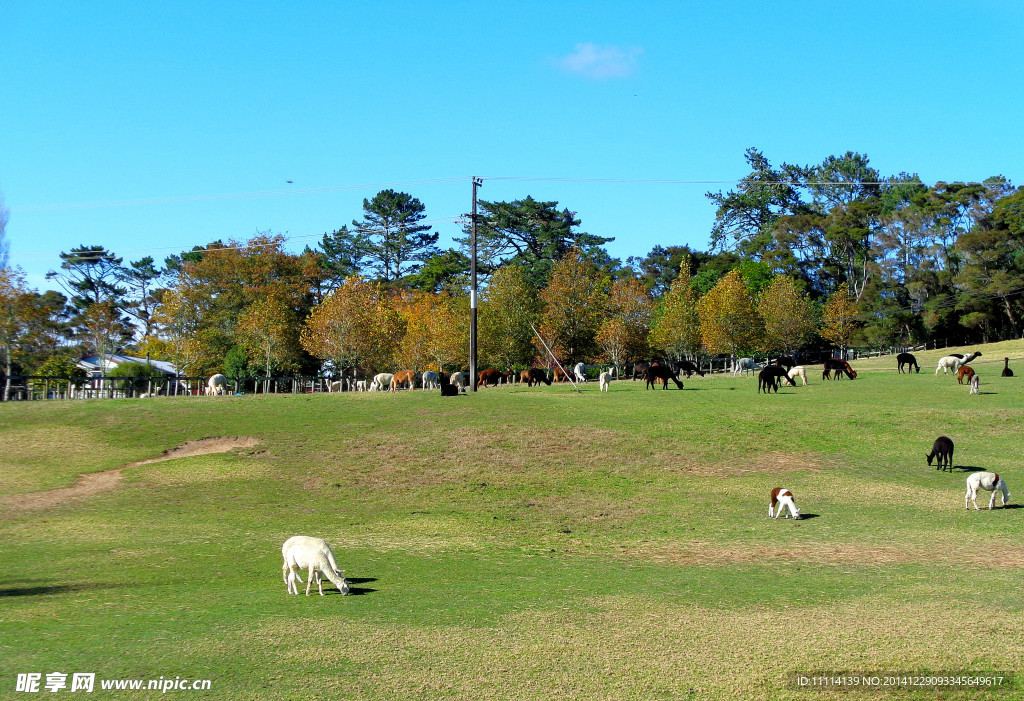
(477, 182)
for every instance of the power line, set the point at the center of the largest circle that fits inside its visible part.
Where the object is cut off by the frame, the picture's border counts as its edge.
(228, 196)
(241, 246)
(148, 201)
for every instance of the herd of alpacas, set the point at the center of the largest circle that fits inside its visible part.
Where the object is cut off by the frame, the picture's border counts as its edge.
(315, 556)
(770, 376)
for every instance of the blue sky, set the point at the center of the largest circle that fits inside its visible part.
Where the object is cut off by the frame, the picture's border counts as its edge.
(153, 127)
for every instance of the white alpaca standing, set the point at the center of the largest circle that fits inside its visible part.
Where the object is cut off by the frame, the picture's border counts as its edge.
(990, 482)
(381, 380)
(782, 498)
(216, 385)
(314, 555)
(605, 378)
(798, 371)
(975, 384)
(430, 380)
(951, 362)
(580, 370)
(458, 379)
(744, 365)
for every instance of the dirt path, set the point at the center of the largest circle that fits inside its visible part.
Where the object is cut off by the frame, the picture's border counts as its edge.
(97, 482)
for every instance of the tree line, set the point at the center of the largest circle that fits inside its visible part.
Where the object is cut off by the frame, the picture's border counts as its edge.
(832, 254)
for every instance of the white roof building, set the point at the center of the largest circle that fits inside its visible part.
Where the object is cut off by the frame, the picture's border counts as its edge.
(98, 366)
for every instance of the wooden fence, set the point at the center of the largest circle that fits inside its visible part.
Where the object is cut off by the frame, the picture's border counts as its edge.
(36, 388)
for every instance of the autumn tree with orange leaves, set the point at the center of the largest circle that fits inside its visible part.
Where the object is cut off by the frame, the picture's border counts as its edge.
(840, 318)
(436, 331)
(269, 331)
(676, 331)
(573, 308)
(623, 334)
(790, 318)
(215, 287)
(355, 327)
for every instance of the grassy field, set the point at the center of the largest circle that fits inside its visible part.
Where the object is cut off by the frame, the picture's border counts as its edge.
(522, 543)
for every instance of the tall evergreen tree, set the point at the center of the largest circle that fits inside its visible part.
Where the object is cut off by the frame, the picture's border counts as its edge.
(91, 276)
(390, 237)
(529, 233)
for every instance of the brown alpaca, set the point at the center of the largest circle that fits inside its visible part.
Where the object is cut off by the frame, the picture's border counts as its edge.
(966, 372)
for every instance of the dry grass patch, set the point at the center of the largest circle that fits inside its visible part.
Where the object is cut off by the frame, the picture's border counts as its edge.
(639, 648)
(94, 483)
(419, 460)
(776, 461)
(945, 497)
(717, 554)
(419, 533)
(33, 459)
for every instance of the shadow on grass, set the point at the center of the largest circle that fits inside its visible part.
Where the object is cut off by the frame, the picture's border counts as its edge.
(968, 468)
(359, 591)
(805, 516)
(55, 589)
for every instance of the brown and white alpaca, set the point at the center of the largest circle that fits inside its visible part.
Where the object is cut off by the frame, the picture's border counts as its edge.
(990, 482)
(782, 498)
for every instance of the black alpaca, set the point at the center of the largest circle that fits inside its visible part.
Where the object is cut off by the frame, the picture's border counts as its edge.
(1007, 372)
(769, 378)
(663, 373)
(447, 388)
(907, 359)
(943, 450)
(687, 368)
(785, 361)
(838, 366)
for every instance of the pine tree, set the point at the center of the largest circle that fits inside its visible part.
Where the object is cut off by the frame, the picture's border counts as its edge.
(391, 240)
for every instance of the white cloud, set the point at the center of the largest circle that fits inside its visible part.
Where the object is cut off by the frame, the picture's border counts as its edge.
(601, 61)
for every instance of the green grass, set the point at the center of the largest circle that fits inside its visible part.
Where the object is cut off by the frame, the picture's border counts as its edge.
(522, 543)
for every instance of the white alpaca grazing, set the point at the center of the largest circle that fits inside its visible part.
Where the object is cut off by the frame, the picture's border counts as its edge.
(782, 498)
(381, 380)
(216, 385)
(798, 371)
(744, 365)
(953, 363)
(975, 384)
(336, 386)
(458, 379)
(990, 482)
(302, 552)
(360, 385)
(605, 378)
(580, 371)
(430, 380)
